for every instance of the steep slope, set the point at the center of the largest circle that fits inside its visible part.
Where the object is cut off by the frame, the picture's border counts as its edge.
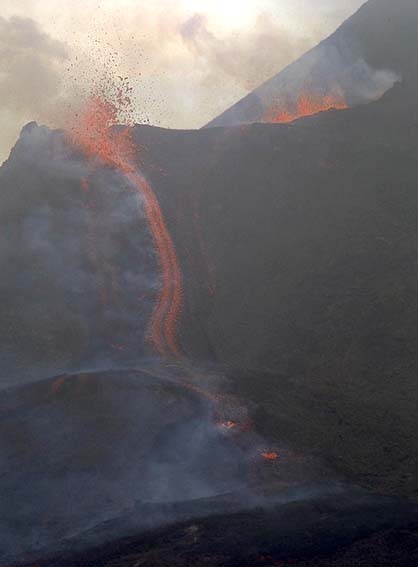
(81, 274)
(298, 248)
(358, 63)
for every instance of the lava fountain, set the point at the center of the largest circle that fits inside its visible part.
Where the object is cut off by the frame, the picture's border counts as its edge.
(306, 105)
(96, 134)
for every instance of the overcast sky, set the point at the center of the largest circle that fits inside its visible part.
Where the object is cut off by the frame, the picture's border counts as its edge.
(188, 60)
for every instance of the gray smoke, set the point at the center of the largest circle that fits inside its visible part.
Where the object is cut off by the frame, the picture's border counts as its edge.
(80, 450)
(82, 275)
(328, 70)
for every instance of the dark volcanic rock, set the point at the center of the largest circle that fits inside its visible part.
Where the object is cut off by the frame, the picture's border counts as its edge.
(298, 245)
(341, 530)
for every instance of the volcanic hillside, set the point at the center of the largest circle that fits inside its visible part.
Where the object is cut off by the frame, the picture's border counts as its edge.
(342, 528)
(84, 450)
(356, 64)
(298, 246)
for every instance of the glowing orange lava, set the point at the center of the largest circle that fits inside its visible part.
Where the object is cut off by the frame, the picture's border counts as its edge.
(306, 105)
(98, 137)
(229, 424)
(273, 456)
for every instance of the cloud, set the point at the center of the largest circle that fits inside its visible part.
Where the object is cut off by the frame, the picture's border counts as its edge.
(31, 65)
(30, 62)
(247, 57)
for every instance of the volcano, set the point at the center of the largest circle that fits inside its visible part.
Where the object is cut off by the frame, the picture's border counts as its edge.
(355, 65)
(297, 244)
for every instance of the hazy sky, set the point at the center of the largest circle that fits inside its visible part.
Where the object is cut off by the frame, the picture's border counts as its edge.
(187, 60)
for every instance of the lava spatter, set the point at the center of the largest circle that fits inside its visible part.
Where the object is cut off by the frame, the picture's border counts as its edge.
(96, 134)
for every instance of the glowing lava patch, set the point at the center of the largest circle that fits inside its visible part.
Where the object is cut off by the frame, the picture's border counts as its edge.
(229, 425)
(270, 456)
(306, 105)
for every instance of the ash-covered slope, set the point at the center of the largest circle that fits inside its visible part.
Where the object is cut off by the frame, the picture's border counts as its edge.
(358, 63)
(82, 450)
(298, 248)
(341, 528)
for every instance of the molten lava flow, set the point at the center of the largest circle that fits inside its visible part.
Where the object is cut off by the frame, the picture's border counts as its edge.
(306, 105)
(94, 134)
